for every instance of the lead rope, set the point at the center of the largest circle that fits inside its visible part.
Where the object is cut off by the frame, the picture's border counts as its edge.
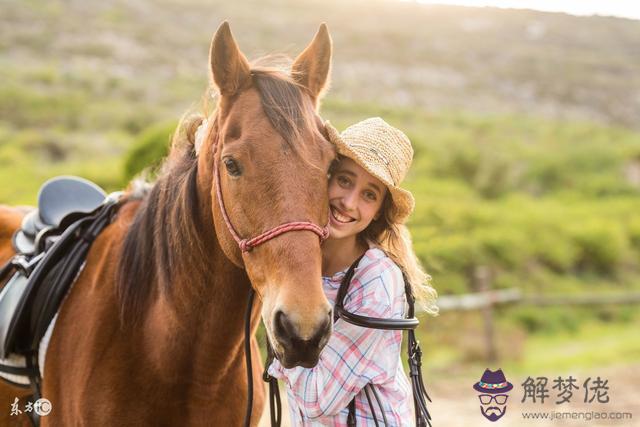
(375, 394)
(373, 411)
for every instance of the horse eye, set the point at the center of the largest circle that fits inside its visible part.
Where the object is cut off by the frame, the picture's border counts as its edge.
(232, 166)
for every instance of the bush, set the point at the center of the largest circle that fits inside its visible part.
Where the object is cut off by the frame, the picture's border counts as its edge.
(602, 245)
(549, 319)
(504, 247)
(149, 150)
(553, 248)
(633, 230)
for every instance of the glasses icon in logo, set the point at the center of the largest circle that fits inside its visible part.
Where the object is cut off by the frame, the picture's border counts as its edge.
(500, 399)
(492, 391)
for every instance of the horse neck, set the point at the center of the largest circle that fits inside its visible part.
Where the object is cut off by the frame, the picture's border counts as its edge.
(199, 326)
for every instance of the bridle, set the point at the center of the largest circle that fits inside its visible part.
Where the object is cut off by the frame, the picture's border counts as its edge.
(246, 245)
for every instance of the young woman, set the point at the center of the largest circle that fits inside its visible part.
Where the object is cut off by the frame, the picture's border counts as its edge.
(368, 210)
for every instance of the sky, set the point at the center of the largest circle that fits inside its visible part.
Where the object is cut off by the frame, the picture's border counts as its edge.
(621, 8)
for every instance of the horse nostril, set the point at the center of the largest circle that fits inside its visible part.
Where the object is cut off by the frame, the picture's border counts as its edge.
(322, 336)
(283, 328)
(328, 323)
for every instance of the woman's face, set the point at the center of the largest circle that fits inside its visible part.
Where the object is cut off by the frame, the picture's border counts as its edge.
(355, 197)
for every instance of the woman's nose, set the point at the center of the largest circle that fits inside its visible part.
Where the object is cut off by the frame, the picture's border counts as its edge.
(349, 200)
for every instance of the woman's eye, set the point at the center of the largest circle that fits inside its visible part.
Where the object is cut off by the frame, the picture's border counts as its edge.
(370, 195)
(233, 168)
(343, 181)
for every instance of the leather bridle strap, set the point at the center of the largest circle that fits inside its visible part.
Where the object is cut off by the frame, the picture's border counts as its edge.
(423, 417)
(247, 354)
(247, 244)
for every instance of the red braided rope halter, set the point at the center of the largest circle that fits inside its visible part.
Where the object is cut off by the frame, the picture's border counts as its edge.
(247, 244)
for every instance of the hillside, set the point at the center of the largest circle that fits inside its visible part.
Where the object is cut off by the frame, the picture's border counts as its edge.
(149, 57)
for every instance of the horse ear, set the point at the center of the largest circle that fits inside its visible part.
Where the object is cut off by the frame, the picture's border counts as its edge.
(311, 67)
(229, 67)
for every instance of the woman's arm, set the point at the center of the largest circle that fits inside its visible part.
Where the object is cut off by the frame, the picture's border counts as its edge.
(354, 356)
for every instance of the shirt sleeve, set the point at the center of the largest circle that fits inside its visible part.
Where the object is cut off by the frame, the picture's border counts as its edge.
(354, 356)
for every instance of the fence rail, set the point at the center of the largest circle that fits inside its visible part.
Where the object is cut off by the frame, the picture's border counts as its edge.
(486, 299)
(480, 300)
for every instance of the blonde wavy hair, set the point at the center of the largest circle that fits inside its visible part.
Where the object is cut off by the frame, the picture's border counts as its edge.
(395, 240)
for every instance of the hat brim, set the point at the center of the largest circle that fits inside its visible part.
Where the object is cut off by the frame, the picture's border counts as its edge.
(477, 387)
(403, 201)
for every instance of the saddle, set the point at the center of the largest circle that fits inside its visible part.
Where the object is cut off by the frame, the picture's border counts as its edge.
(51, 246)
(60, 198)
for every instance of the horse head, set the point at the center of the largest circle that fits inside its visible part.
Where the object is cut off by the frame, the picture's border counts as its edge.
(272, 158)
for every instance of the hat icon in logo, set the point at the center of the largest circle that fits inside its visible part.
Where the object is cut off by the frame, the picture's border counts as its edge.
(493, 388)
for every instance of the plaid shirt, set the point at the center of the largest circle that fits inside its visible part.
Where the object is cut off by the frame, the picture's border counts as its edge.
(356, 356)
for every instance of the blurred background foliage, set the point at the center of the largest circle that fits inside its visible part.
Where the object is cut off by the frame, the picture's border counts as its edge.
(525, 128)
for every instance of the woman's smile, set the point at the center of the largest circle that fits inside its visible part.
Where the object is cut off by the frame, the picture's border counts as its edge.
(340, 218)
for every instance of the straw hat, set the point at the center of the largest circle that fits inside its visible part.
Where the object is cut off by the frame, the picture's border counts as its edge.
(383, 151)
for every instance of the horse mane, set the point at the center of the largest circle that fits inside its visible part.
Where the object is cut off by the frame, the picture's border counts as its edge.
(164, 241)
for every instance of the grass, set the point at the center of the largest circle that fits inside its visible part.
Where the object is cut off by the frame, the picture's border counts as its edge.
(593, 345)
(453, 343)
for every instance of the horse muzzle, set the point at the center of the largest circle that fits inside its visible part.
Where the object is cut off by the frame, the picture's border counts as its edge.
(292, 349)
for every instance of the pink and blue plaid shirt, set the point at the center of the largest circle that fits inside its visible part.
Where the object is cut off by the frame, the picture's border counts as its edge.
(356, 356)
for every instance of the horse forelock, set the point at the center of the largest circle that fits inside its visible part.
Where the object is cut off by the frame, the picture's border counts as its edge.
(286, 105)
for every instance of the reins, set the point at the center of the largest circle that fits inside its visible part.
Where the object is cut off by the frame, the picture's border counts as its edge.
(423, 417)
(247, 354)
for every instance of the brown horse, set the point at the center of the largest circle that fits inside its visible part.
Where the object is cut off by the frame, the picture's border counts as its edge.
(151, 332)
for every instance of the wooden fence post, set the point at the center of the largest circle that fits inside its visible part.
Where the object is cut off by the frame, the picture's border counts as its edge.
(482, 278)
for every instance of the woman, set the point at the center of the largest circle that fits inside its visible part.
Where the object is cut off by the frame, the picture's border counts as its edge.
(368, 210)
